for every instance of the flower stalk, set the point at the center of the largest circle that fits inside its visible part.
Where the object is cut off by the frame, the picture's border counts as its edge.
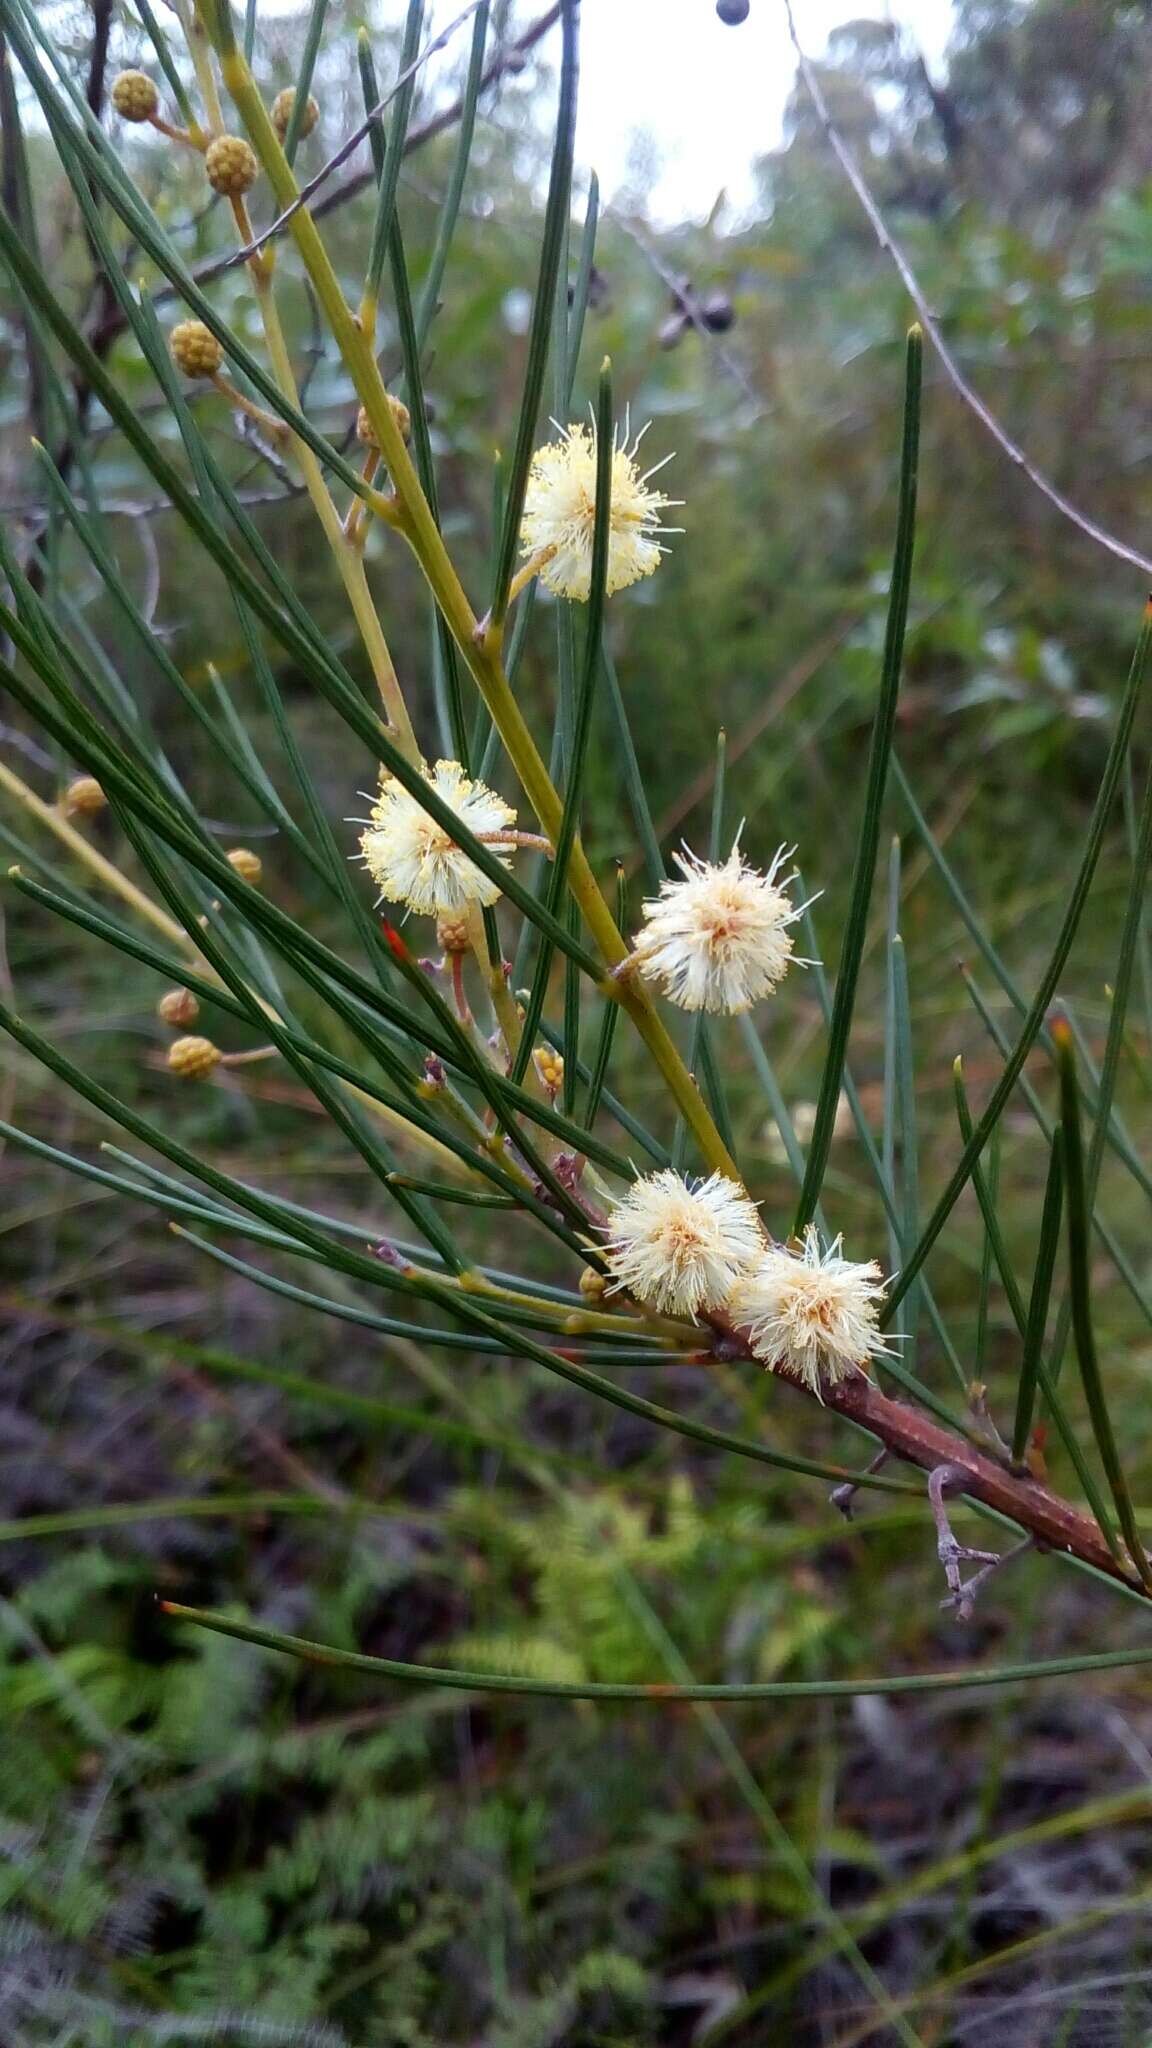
(413, 519)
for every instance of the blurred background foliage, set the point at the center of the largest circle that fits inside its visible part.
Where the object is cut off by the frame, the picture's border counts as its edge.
(199, 1844)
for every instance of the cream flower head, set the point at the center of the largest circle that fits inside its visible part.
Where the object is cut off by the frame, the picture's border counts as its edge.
(682, 1245)
(811, 1314)
(560, 513)
(719, 939)
(413, 860)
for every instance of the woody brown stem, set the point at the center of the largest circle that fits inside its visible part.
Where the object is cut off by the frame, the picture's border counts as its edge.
(1052, 1523)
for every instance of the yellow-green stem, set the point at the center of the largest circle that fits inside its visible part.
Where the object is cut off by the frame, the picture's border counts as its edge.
(113, 878)
(415, 521)
(105, 871)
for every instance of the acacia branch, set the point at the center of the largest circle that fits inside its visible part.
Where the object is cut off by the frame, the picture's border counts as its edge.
(510, 58)
(955, 375)
(1053, 1523)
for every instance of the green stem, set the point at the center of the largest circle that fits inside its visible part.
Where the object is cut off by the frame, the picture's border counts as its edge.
(414, 519)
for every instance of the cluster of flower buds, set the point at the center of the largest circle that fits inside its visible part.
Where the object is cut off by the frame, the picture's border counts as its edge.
(550, 1067)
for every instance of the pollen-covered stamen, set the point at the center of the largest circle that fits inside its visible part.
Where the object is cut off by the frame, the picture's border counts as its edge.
(811, 1314)
(682, 1245)
(719, 938)
(414, 859)
(559, 520)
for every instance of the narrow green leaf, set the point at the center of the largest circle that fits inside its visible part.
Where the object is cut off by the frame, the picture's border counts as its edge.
(1080, 1291)
(1046, 1250)
(308, 55)
(167, 62)
(540, 330)
(1046, 1125)
(394, 150)
(855, 929)
(1049, 979)
(955, 1679)
(450, 204)
(609, 1014)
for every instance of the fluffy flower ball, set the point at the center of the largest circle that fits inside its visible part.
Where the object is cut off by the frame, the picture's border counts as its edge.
(134, 96)
(195, 349)
(682, 1245)
(718, 939)
(231, 166)
(560, 515)
(413, 860)
(811, 1314)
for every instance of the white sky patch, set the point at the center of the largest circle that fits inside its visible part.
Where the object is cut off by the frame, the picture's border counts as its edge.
(701, 99)
(667, 82)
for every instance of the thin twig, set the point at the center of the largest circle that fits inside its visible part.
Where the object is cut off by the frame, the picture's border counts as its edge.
(508, 59)
(687, 300)
(352, 143)
(955, 375)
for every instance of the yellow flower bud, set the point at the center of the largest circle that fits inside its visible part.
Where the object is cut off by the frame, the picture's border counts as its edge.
(550, 1067)
(83, 798)
(134, 96)
(452, 934)
(231, 166)
(366, 432)
(248, 865)
(193, 1058)
(195, 349)
(282, 107)
(593, 1285)
(178, 1006)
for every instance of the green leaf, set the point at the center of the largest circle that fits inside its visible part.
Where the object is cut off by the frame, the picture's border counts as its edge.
(1080, 1293)
(657, 1693)
(864, 867)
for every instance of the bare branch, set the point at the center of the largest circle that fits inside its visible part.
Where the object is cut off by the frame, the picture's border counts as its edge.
(955, 375)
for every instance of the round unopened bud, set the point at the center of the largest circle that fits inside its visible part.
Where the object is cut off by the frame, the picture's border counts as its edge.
(732, 11)
(193, 1058)
(231, 165)
(83, 798)
(134, 96)
(593, 1285)
(195, 349)
(248, 865)
(452, 934)
(282, 107)
(178, 1006)
(366, 432)
(550, 1067)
